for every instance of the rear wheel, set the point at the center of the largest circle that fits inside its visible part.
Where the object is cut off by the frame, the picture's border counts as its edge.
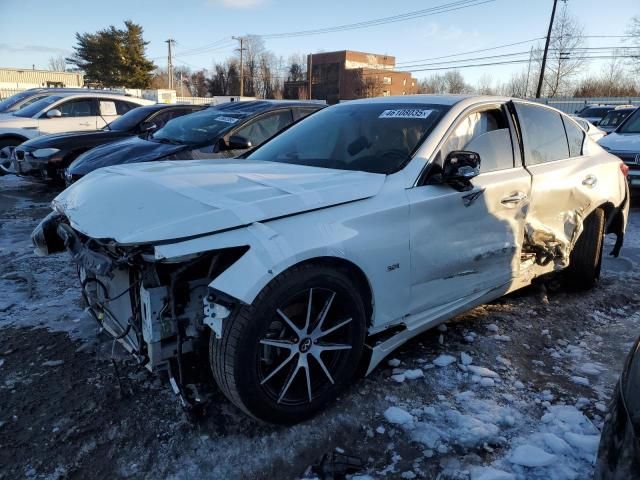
(6, 149)
(586, 257)
(287, 355)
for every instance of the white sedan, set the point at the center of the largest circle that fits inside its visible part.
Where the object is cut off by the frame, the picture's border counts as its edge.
(329, 246)
(61, 112)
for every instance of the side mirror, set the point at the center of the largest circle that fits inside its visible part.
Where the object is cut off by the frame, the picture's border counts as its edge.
(595, 123)
(238, 142)
(459, 168)
(147, 127)
(54, 113)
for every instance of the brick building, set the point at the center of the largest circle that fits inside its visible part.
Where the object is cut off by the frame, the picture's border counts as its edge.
(347, 75)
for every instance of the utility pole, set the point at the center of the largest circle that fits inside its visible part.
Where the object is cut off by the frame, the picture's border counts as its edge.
(241, 40)
(170, 42)
(310, 73)
(526, 87)
(546, 49)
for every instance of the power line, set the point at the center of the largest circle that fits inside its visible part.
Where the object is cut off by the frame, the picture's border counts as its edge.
(447, 7)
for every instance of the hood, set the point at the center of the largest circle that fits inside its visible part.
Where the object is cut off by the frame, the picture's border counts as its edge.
(74, 139)
(621, 142)
(160, 201)
(134, 149)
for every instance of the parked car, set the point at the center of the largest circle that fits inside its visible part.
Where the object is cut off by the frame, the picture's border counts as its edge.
(27, 97)
(619, 451)
(62, 112)
(337, 241)
(594, 132)
(48, 155)
(594, 113)
(225, 130)
(624, 142)
(614, 118)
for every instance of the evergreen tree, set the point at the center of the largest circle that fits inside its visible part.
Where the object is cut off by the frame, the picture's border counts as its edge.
(114, 57)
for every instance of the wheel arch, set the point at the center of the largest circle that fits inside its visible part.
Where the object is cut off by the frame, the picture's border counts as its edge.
(13, 136)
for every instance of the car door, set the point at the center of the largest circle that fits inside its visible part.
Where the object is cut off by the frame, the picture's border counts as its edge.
(466, 243)
(77, 114)
(562, 180)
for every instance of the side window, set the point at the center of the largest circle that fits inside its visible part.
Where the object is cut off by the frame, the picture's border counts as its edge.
(124, 107)
(77, 108)
(486, 133)
(575, 136)
(301, 112)
(544, 136)
(265, 127)
(161, 119)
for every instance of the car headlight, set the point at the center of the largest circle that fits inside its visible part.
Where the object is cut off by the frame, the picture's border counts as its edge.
(45, 152)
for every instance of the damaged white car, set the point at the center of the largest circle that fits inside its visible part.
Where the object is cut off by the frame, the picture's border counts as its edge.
(337, 241)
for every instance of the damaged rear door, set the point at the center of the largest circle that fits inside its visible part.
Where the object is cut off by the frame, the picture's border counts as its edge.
(464, 243)
(561, 183)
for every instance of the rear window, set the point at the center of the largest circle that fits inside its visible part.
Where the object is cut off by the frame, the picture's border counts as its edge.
(575, 137)
(614, 118)
(594, 112)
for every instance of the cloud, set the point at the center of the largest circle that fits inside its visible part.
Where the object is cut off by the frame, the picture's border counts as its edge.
(32, 48)
(236, 4)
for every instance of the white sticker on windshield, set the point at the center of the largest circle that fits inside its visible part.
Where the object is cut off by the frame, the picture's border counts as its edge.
(227, 119)
(406, 113)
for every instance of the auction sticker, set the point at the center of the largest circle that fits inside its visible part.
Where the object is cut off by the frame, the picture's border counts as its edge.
(406, 113)
(227, 119)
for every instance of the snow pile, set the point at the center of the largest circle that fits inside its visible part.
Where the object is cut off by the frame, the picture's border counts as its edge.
(444, 360)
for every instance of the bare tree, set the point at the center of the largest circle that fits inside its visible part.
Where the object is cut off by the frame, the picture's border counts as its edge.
(564, 60)
(485, 85)
(57, 64)
(433, 84)
(367, 86)
(455, 83)
(518, 85)
(634, 32)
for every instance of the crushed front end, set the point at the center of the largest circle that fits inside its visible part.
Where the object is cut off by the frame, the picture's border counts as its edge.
(157, 309)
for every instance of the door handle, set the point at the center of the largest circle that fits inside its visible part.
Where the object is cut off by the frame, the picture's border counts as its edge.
(84, 124)
(514, 198)
(590, 181)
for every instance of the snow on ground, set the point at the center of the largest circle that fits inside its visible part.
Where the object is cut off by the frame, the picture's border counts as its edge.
(512, 390)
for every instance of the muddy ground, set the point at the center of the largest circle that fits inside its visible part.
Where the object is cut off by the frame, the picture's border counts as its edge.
(66, 411)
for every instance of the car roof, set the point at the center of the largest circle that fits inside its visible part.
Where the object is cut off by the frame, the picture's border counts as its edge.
(256, 106)
(163, 106)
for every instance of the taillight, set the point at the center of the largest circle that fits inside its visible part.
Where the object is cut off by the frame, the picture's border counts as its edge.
(624, 168)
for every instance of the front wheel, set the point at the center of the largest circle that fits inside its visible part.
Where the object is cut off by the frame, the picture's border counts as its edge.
(283, 358)
(583, 271)
(6, 149)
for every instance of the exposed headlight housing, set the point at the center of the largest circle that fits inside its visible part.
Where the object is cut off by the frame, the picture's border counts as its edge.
(44, 152)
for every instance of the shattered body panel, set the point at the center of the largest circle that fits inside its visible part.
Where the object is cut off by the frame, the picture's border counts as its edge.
(201, 238)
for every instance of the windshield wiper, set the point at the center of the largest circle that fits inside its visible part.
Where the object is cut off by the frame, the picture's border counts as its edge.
(167, 140)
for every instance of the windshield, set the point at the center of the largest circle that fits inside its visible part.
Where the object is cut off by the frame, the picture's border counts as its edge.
(131, 119)
(614, 118)
(9, 102)
(594, 112)
(370, 137)
(632, 123)
(36, 107)
(196, 128)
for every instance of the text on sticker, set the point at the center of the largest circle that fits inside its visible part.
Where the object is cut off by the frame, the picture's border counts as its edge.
(406, 113)
(227, 119)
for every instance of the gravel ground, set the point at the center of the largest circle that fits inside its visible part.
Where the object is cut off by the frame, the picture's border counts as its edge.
(474, 399)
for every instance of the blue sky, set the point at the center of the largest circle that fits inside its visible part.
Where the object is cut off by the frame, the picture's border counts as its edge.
(35, 30)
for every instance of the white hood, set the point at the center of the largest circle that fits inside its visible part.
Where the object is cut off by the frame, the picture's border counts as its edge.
(625, 142)
(159, 201)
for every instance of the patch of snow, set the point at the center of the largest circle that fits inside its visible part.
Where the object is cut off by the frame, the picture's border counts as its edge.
(490, 473)
(394, 362)
(398, 378)
(465, 358)
(492, 327)
(398, 416)
(531, 456)
(413, 374)
(482, 371)
(444, 360)
(580, 380)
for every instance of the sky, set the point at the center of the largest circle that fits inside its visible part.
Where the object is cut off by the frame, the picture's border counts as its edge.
(35, 30)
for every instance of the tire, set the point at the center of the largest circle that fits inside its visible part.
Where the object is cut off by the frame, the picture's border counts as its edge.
(6, 146)
(585, 260)
(265, 380)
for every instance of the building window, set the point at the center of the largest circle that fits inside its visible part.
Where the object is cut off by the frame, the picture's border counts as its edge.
(404, 93)
(386, 80)
(404, 82)
(386, 93)
(413, 84)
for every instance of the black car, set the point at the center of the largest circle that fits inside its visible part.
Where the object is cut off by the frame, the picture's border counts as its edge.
(619, 451)
(224, 130)
(614, 118)
(49, 155)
